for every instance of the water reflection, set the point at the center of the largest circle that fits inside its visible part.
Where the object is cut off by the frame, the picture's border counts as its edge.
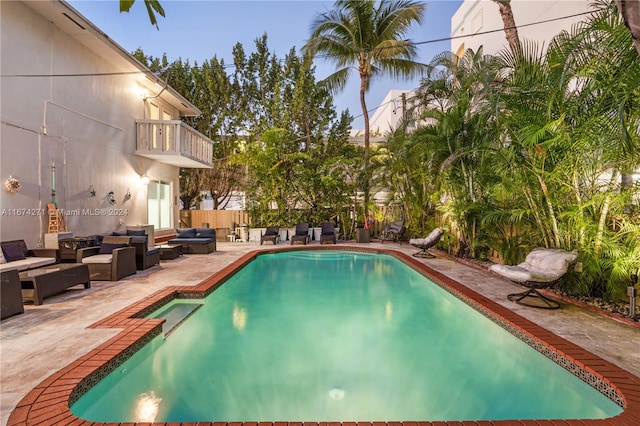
(388, 310)
(239, 319)
(147, 407)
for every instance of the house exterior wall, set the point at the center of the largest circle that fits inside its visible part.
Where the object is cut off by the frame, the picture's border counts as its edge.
(85, 125)
(477, 16)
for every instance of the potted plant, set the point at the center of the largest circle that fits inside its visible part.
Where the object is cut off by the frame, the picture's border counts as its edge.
(363, 234)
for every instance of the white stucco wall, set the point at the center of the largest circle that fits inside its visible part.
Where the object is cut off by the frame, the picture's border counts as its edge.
(85, 124)
(476, 16)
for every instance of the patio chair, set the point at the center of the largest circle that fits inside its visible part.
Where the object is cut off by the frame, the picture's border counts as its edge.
(112, 261)
(393, 232)
(301, 235)
(327, 233)
(424, 244)
(271, 234)
(541, 269)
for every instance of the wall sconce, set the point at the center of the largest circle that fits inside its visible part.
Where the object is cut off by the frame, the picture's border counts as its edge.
(111, 197)
(92, 191)
(12, 185)
(127, 196)
(144, 179)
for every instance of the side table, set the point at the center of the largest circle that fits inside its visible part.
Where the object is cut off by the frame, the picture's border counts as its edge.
(49, 280)
(170, 252)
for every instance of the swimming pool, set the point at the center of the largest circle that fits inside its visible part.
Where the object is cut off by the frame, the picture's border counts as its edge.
(49, 402)
(336, 336)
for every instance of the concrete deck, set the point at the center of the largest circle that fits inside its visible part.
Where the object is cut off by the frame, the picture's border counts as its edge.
(48, 337)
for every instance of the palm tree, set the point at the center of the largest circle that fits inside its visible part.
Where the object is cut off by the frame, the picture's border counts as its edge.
(366, 36)
(509, 23)
(153, 7)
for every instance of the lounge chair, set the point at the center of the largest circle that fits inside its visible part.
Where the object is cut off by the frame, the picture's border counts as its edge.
(271, 234)
(541, 269)
(112, 261)
(424, 244)
(327, 233)
(302, 234)
(393, 232)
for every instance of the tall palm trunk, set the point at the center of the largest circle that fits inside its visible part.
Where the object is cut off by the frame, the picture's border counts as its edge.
(365, 115)
(551, 211)
(630, 11)
(509, 23)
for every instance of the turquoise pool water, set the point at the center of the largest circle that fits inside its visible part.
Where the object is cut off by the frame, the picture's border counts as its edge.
(336, 336)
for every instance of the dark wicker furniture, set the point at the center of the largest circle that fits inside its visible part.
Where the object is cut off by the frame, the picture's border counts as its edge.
(170, 252)
(195, 240)
(271, 234)
(49, 280)
(110, 267)
(10, 294)
(301, 235)
(327, 233)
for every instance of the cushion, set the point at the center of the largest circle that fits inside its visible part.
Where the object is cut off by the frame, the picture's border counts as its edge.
(108, 248)
(98, 258)
(205, 233)
(191, 240)
(30, 262)
(119, 234)
(136, 232)
(186, 233)
(13, 251)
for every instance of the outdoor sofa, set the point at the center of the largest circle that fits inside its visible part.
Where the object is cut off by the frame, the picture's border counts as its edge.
(195, 240)
(15, 255)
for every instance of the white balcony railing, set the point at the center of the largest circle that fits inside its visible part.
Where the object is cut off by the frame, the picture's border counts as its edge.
(173, 142)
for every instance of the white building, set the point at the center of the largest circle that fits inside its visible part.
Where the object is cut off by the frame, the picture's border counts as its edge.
(74, 99)
(478, 22)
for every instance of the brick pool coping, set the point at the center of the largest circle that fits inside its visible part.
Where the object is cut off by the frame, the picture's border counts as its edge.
(49, 402)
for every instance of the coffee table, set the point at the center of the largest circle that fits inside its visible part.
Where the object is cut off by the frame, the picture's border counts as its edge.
(170, 252)
(49, 280)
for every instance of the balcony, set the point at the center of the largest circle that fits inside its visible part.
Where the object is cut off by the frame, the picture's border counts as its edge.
(173, 142)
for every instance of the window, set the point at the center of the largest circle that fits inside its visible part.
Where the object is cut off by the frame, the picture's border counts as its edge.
(159, 204)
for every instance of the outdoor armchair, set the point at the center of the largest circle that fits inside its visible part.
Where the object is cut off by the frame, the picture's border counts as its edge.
(112, 261)
(541, 269)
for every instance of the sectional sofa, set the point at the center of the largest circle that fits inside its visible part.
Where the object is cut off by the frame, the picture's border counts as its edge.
(195, 240)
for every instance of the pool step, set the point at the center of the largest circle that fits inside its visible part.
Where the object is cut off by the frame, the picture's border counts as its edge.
(175, 314)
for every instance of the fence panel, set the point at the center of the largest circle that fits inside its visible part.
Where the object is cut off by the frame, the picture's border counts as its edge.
(220, 220)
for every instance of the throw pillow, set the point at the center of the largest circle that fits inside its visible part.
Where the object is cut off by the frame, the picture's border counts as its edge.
(205, 233)
(136, 232)
(108, 248)
(119, 234)
(12, 251)
(186, 233)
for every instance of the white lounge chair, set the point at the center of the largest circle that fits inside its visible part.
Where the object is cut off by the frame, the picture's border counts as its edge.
(424, 244)
(541, 269)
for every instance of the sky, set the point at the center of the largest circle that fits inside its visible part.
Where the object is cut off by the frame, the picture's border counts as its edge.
(198, 30)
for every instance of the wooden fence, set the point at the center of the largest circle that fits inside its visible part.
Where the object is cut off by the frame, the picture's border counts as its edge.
(220, 220)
